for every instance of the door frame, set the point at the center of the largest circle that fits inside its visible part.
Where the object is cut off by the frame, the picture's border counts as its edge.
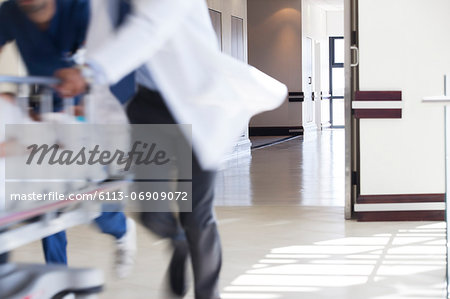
(351, 70)
(333, 65)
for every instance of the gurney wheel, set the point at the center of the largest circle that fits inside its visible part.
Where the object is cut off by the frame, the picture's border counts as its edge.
(64, 295)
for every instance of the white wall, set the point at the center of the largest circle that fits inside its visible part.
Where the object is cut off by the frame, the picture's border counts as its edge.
(275, 47)
(315, 27)
(314, 21)
(319, 25)
(335, 23)
(404, 45)
(322, 25)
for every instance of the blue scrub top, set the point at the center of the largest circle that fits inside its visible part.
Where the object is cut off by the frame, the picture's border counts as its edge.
(45, 51)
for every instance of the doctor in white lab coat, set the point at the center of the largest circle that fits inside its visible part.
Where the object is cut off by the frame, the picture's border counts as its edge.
(183, 78)
(201, 86)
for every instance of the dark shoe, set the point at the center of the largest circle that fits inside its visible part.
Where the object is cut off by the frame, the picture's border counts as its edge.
(177, 269)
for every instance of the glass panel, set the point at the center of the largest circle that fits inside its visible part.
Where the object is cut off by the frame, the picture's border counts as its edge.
(338, 82)
(339, 50)
(338, 112)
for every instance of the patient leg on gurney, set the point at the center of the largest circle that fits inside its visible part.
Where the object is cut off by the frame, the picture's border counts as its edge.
(123, 229)
(55, 248)
(116, 224)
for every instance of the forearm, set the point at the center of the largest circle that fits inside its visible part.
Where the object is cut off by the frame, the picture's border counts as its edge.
(6, 147)
(8, 96)
(2, 149)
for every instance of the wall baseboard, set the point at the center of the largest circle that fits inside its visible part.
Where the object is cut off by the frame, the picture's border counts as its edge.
(399, 204)
(276, 131)
(401, 216)
(401, 198)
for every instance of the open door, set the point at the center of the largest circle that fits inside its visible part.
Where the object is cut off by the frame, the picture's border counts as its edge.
(389, 175)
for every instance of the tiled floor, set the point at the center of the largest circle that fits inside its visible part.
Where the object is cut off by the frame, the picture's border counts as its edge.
(284, 236)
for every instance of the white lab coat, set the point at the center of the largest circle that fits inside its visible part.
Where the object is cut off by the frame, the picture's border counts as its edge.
(201, 86)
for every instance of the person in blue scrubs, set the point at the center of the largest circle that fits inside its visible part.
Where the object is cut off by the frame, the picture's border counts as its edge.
(48, 33)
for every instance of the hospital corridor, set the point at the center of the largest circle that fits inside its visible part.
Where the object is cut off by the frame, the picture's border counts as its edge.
(224, 149)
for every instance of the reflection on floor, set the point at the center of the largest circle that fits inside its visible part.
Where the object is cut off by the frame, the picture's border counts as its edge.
(261, 141)
(298, 172)
(281, 221)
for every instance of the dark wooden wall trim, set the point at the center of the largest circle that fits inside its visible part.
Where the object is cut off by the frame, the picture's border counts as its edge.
(378, 96)
(401, 216)
(276, 131)
(296, 96)
(377, 113)
(400, 198)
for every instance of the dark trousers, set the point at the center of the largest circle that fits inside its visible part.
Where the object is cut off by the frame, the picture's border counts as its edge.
(3, 258)
(199, 226)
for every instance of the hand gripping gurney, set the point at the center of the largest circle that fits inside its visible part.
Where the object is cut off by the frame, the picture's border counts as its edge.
(19, 226)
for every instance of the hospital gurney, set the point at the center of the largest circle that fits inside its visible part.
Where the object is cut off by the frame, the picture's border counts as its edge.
(45, 281)
(19, 225)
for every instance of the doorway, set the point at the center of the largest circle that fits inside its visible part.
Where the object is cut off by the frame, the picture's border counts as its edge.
(308, 111)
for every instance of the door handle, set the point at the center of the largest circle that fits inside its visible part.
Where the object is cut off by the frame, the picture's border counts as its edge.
(309, 80)
(356, 49)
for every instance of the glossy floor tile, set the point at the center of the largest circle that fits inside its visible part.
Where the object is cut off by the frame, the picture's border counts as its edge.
(284, 236)
(303, 171)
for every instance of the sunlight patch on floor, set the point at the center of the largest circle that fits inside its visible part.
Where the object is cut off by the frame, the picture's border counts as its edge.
(346, 263)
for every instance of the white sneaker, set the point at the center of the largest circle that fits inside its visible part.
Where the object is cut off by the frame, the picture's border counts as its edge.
(126, 250)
